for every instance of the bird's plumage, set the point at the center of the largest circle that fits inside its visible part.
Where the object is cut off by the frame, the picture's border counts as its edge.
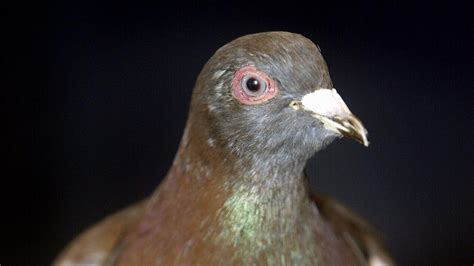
(236, 193)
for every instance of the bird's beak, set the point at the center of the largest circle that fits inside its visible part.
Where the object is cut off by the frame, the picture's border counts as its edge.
(328, 107)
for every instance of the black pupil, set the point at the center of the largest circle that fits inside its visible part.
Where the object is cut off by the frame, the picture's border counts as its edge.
(253, 84)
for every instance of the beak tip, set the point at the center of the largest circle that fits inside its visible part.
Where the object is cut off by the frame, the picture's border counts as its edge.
(366, 143)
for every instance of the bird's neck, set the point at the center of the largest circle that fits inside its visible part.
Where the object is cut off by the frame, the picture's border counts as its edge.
(262, 200)
(269, 181)
(265, 207)
(263, 192)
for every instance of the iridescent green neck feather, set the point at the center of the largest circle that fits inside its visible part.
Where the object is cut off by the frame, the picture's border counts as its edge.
(269, 217)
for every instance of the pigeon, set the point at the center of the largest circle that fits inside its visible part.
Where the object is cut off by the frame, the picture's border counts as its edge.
(237, 192)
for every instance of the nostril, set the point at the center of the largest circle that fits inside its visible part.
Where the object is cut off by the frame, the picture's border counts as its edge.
(295, 105)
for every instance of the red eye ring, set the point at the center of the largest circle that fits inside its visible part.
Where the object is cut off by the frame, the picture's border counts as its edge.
(270, 90)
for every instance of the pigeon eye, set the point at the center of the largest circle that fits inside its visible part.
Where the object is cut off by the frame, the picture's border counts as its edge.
(251, 86)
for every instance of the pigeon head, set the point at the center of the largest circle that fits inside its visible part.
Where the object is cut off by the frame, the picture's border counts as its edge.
(270, 94)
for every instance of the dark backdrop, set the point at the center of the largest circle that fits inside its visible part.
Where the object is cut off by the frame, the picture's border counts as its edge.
(96, 96)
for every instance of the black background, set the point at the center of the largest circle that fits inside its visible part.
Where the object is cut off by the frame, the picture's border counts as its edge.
(96, 96)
